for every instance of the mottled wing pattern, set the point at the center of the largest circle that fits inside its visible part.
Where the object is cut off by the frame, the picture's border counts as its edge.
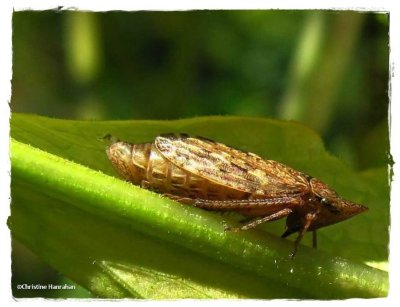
(230, 167)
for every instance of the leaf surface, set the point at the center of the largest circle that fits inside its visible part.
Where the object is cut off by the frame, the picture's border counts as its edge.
(118, 240)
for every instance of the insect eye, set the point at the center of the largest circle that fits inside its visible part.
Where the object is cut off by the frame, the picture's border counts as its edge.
(324, 201)
(329, 205)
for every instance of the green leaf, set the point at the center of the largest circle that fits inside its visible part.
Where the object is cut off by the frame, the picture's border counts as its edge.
(118, 240)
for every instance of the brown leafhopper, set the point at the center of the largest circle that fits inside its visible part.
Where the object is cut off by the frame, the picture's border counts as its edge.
(213, 176)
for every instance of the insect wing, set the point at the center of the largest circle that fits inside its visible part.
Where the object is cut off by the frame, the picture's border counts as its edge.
(230, 167)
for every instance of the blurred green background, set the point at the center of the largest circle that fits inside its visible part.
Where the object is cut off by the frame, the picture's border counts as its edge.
(326, 69)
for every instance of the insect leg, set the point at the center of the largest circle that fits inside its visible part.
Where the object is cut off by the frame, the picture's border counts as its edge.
(231, 205)
(259, 220)
(309, 218)
(314, 239)
(180, 199)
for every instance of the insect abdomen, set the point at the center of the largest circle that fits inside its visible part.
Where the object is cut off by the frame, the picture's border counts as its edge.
(147, 167)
